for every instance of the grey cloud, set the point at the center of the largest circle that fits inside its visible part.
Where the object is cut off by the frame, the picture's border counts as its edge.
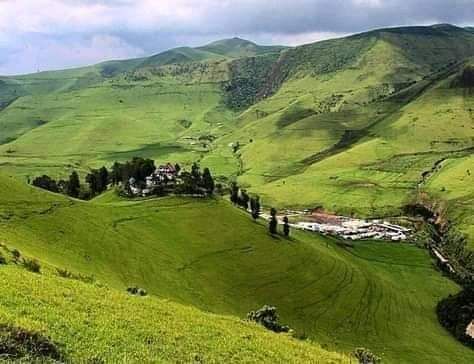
(137, 27)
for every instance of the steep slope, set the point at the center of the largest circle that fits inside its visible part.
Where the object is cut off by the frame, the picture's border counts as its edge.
(319, 139)
(212, 256)
(92, 323)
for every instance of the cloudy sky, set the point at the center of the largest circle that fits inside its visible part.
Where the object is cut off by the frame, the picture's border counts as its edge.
(52, 34)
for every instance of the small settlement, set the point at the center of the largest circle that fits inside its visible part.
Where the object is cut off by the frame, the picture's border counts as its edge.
(346, 227)
(163, 175)
(355, 229)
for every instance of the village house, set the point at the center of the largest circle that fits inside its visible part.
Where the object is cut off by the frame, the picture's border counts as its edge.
(163, 174)
(470, 329)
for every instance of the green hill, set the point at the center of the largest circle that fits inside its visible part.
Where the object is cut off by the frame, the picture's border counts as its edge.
(238, 48)
(210, 255)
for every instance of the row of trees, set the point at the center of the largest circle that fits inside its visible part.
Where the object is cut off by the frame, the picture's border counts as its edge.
(97, 181)
(240, 197)
(70, 187)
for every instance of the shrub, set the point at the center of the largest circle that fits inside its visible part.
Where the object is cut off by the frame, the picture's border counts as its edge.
(69, 275)
(32, 265)
(365, 356)
(2, 260)
(137, 291)
(267, 316)
(16, 255)
(18, 344)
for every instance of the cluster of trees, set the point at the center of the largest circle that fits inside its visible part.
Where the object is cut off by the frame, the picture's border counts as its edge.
(138, 168)
(70, 187)
(456, 312)
(97, 181)
(196, 182)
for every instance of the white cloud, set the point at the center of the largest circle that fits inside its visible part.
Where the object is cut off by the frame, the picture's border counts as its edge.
(42, 53)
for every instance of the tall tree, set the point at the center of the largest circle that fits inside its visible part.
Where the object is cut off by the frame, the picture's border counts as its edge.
(255, 207)
(116, 174)
(286, 226)
(103, 178)
(74, 185)
(208, 181)
(93, 181)
(244, 199)
(234, 193)
(273, 224)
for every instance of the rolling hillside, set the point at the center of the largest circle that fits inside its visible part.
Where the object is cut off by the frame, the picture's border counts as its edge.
(360, 125)
(92, 323)
(349, 117)
(212, 256)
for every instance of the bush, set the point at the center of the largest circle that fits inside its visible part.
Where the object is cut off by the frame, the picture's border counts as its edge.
(17, 344)
(2, 260)
(137, 291)
(267, 316)
(64, 273)
(32, 265)
(365, 356)
(16, 255)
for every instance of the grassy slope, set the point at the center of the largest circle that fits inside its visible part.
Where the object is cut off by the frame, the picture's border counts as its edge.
(117, 119)
(91, 322)
(208, 254)
(379, 173)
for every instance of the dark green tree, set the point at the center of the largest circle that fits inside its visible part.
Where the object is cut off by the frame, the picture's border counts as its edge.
(286, 226)
(116, 174)
(74, 185)
(47, 183)
(255, 207)
(273, 224)
(234, 193)
(93, 180)
(244, 199)
(103, 178)
(208, 181)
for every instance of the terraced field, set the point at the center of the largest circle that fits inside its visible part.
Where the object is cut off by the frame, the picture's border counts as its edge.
(212, 256)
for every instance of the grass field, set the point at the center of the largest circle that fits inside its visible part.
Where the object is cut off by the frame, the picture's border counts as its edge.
(92, 323)
(212, 256)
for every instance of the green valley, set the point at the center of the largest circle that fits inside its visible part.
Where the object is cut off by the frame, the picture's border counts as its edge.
(209, 255)
(361, 126)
